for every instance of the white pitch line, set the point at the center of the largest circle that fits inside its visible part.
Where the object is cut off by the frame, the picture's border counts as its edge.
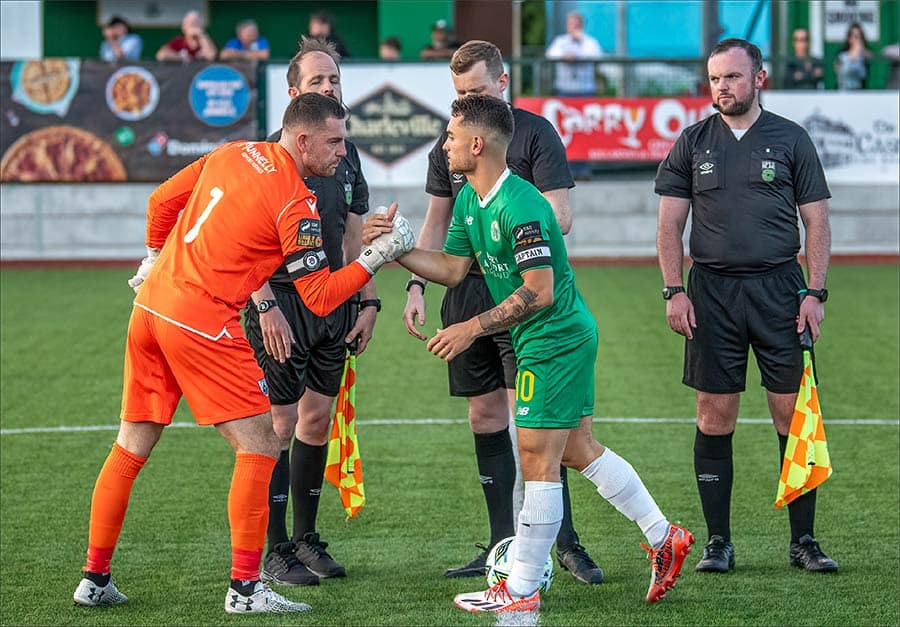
(379, 422)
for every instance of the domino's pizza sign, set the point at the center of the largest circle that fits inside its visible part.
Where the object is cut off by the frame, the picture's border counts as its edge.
(219, 95)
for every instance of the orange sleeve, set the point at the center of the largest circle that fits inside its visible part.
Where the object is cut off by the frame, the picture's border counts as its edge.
(168, 200)
(322, 290)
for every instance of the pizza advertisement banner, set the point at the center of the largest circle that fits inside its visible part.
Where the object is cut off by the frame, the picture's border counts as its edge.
(619, 129)
(82, 120)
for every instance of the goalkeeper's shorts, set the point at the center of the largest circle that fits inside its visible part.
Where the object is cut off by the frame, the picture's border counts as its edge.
(556, 392)
(219, 378)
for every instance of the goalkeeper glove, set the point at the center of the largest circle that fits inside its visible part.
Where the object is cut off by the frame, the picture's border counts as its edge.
(144, 269)
(388, 246)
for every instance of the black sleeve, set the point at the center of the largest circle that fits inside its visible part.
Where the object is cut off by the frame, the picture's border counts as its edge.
(674, 176)
(437, 182)
(809, 178)
(360, 204)
(549, 165)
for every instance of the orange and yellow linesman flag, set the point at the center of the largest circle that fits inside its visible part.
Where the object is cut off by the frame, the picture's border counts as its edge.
(343, 468)
(806, 461)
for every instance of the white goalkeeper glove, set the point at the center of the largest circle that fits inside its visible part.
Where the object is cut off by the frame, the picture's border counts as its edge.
(144, 269)
(389, 246)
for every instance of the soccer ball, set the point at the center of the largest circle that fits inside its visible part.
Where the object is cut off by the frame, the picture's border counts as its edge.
(500, 560)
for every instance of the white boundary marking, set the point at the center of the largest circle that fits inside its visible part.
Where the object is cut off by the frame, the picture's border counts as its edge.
(378, 422)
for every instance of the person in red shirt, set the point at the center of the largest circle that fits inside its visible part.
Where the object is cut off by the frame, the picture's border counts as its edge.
(216, 231)
(192, 44)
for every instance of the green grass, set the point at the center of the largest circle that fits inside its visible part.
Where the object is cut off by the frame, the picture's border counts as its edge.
(61, 342)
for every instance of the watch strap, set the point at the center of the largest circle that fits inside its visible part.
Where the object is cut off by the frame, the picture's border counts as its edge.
(371, 302)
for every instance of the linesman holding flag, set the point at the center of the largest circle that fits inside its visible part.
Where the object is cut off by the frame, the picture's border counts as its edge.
(742, 175)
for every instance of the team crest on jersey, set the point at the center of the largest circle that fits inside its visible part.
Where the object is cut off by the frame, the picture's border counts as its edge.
(495, 231)
(768, 171)
(263, 386)
(469, 220)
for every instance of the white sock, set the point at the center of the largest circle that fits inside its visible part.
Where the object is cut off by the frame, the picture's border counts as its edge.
(539, 523)
(519, 486)
(619, 484)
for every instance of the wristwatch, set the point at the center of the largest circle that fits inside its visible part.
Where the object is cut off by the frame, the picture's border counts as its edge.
(372, 302)
(412, 282)
(821, 294)
(265, 305)
(670, 290)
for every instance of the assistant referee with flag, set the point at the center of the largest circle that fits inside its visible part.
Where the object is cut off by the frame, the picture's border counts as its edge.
(742, 174)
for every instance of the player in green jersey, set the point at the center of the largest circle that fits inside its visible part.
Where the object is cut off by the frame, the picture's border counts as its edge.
(505, 224)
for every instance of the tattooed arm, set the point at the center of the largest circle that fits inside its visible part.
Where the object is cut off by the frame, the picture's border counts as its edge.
(535, 294)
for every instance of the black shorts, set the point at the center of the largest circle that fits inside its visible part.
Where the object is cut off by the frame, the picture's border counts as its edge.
(317, 354)
(734, 313)
(490, 363)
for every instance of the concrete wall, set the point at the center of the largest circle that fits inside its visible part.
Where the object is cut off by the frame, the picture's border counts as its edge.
(612, 218)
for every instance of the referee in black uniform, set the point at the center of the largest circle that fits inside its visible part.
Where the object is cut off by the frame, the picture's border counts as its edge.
(485, 374)
(301, 354)
(742, 174)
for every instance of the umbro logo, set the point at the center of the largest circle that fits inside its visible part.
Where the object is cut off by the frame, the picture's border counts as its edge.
(707, 478)
(457, 177)
(707, 167)
(486, 480)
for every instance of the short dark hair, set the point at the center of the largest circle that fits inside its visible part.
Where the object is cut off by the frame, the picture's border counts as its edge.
(117, 20)
(311, 110)
(323, 16)
(393, 42)
(307, 45)
(487, 112)
(751, 49)
(473, 51)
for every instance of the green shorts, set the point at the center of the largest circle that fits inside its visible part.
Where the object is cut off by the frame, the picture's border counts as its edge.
(556, 392)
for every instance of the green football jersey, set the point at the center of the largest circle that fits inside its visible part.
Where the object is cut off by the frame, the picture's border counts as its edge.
(511, 232)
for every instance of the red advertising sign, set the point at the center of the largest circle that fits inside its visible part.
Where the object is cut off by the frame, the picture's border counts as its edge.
(618, 129)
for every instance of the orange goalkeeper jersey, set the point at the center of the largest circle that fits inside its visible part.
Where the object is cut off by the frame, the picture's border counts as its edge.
(244, 210)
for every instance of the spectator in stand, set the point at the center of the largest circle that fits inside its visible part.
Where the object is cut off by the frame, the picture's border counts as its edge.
(803, 71)
(119, 42)
(574, 79)
(389, 49)
(192, 45)
(443, 42)
(321, 26)
(892, 54)
(247, 45)
(852, 62)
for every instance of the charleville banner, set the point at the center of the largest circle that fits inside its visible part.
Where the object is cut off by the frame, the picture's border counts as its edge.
(73, 120)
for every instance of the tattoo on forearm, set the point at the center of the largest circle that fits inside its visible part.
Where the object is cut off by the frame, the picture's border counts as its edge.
(521, 305)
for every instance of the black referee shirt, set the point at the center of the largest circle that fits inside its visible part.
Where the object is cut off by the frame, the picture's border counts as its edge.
(346, 191)
(535, 154)
(744, 194)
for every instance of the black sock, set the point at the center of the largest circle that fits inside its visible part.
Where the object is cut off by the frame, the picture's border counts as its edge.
(278, 500)
(802, 510)
(714, 472)
(98, 579)
(307, 471)
(566, 536)
(243, 586)
(497, 472)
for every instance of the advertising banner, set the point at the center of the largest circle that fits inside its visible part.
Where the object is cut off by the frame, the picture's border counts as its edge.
(855, 133)
(72, 120)
(397, 113)
(618, 129)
